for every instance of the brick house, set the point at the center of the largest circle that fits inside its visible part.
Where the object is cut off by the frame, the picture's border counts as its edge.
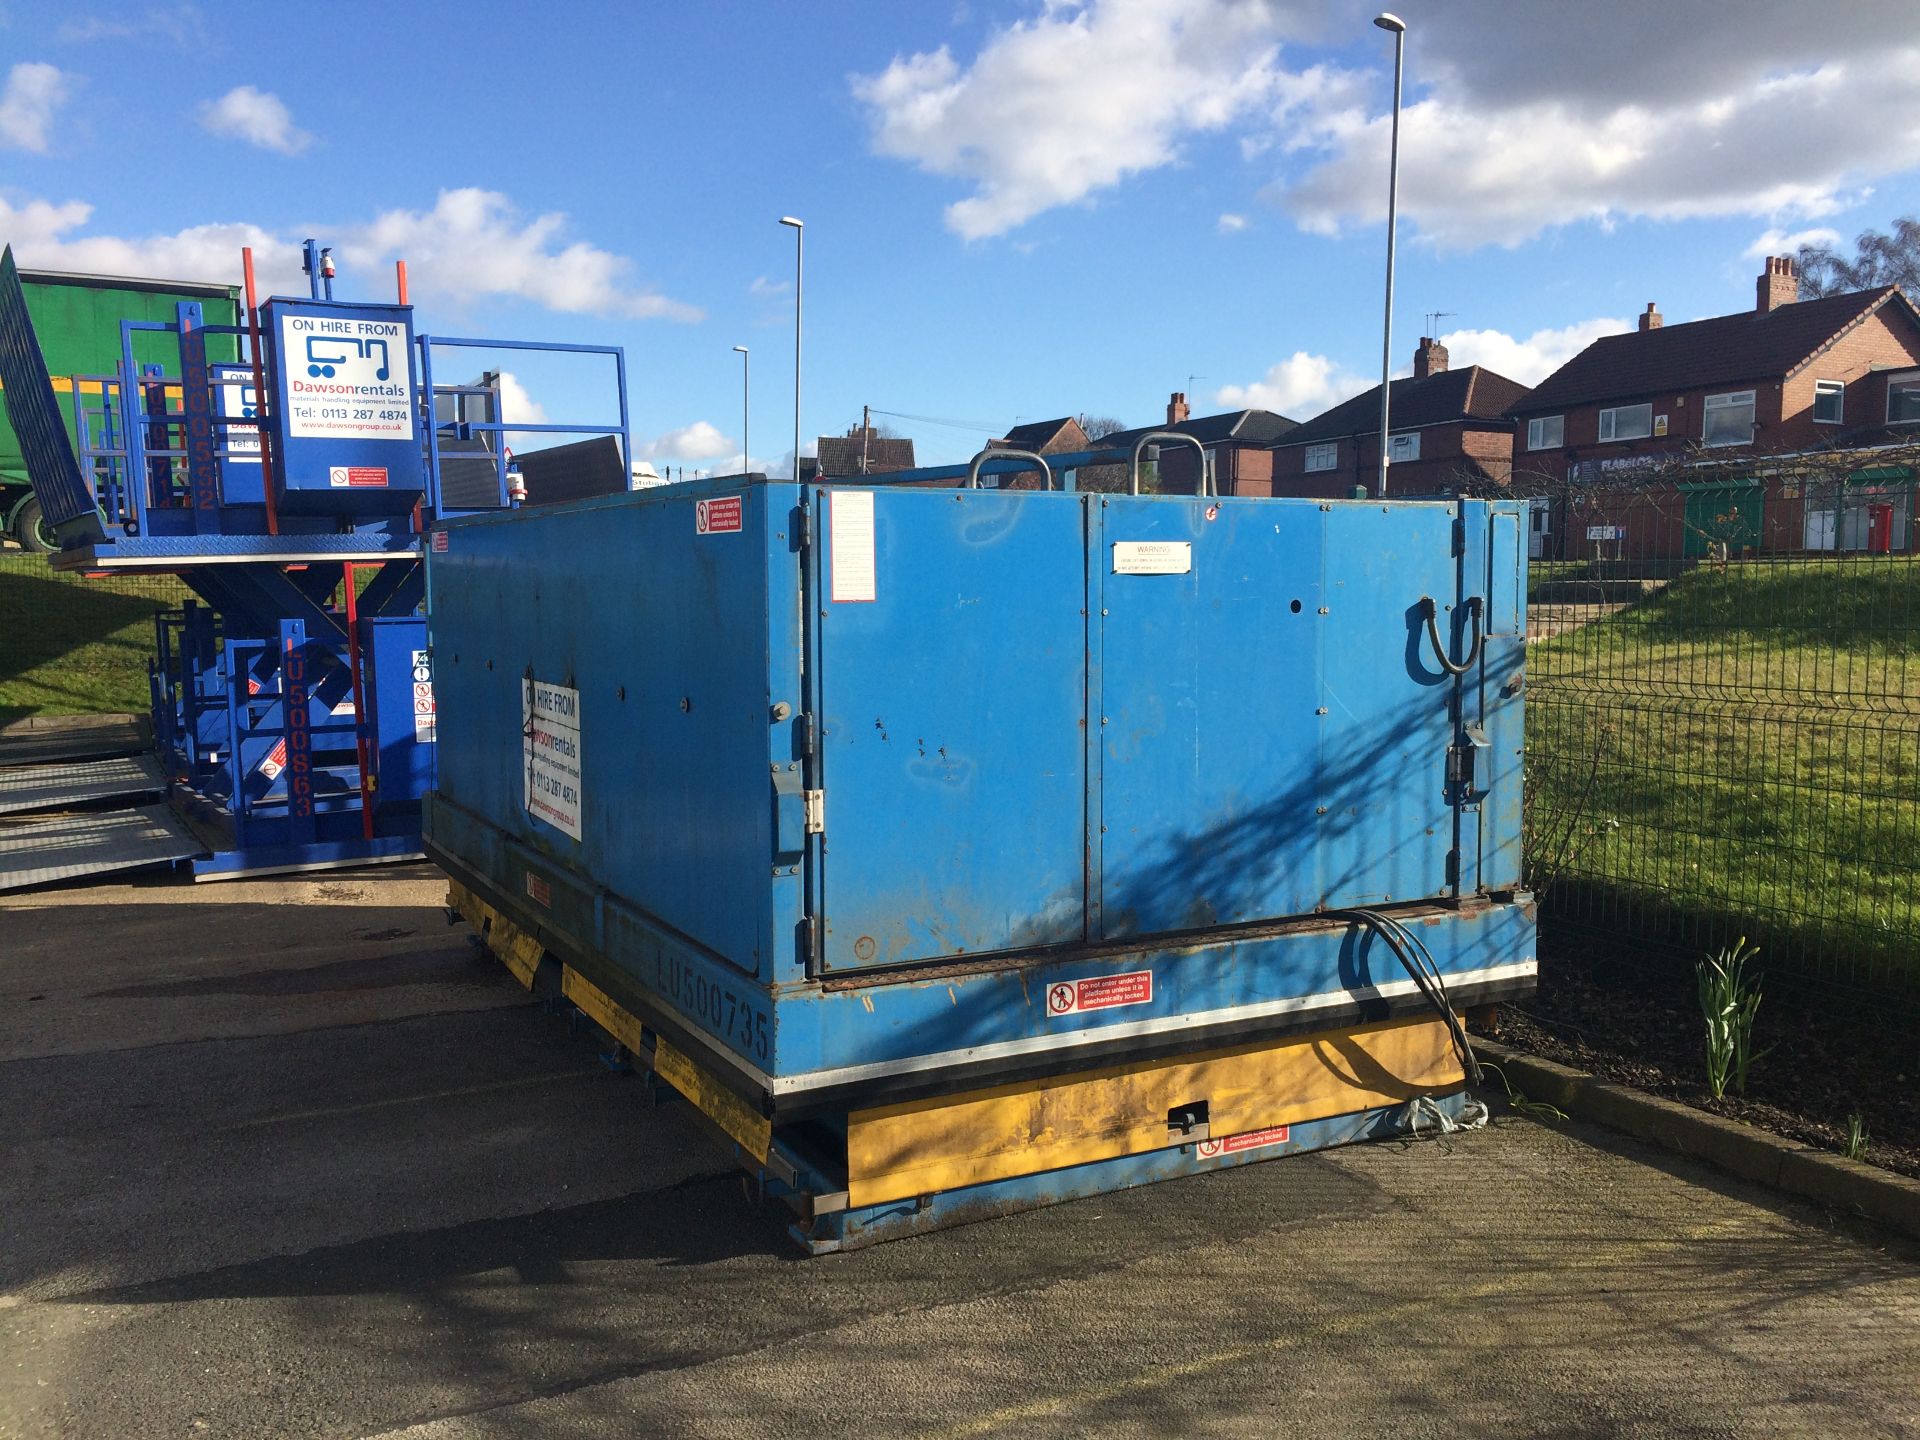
(1044, 437)
(1730, 397)
(1239, 445)
(1448, 427)
(858, 452)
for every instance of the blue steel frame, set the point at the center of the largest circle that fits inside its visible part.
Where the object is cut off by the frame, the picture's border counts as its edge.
(501, 427)
(151, 444)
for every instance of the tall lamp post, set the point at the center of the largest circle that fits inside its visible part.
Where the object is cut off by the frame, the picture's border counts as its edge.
(746, 385)
(799, 279)
(1389, 21)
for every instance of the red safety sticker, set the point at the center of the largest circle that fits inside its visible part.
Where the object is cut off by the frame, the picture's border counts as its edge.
(718, 516)
(1246, 1140)
(1101, 992)
(439, 542)
(539, 890)
(357, 476)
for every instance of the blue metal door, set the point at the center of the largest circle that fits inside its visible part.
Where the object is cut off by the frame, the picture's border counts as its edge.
(951, 680)
(1273, 739)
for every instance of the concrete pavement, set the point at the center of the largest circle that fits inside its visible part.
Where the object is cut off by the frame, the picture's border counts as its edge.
(287, 1158)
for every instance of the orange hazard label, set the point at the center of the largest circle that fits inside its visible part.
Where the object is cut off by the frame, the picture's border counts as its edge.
(1246, 1140)
(1101, 992)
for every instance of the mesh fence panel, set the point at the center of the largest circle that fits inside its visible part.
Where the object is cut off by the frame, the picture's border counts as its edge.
(1724, 715)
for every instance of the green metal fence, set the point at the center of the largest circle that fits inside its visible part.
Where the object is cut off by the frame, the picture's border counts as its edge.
(1724, 715)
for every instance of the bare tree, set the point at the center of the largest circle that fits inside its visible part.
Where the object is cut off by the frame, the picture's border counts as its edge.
(1881, 257)
(1099, 425)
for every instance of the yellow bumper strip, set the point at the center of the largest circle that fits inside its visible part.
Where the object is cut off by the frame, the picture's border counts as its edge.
(924, 1147)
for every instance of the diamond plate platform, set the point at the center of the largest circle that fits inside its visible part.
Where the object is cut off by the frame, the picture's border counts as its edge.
(59, 787)
(39, 852)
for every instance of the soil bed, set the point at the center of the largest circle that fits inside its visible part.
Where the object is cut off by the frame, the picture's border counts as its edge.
(1635, 1019)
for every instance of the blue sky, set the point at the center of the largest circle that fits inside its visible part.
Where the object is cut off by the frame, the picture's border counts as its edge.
(1013, 210)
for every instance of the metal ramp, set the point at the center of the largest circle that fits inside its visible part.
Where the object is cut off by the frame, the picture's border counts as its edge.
(27, 788)
(49, 739)
(41, 852)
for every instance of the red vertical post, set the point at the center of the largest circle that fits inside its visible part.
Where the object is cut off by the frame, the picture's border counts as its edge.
(400, 278)
(359, 700)
(260, 394)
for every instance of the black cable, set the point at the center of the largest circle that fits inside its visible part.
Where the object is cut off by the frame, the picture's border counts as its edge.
(1426, 977)
(1432, 612)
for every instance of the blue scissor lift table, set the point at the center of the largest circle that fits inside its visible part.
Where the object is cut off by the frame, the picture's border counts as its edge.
(292, 703)
(958, 850)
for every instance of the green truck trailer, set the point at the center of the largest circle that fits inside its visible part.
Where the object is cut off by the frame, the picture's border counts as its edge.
(77, 319)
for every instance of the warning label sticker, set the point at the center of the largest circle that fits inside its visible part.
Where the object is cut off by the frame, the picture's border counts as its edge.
(423, 711)
(550, 725)
(852, 558)
(439, 542)
(1152, 557)
(357, 477)
(718, 516)
(1101, 992)
(1247, 1140)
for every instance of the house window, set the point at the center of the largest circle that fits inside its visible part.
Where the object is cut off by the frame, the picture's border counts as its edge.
(1829, 401)
(1626, 422)
(1546, 432)
(1903, 400)
(1728, 419)
(1402, 448)
(1323, 457)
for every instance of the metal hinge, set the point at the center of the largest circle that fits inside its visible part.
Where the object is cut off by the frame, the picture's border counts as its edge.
(816, 812)
(810, 942)
(803, 526)
(805, 737)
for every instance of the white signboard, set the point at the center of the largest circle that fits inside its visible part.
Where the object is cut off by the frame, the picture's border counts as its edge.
(1152, 557)
(423, 711)
(237, 399)
(854, 577)
(1606, 532)
(347, 379)
(550, 723)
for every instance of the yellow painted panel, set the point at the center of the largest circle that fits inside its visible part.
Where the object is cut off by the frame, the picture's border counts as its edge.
(518, 951)
(721, 1105)
(601, 1006)
(922, 1147)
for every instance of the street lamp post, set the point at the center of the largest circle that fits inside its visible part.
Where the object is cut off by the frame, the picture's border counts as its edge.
(1388, 21)
(799, 279)
(746, 385)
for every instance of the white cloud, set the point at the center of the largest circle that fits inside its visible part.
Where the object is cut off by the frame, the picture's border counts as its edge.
(1300, 386)
(1530, 360)
(1524, 119)
(1775, 241)
(33, 92)
(1072, 101)
(255, 116)
(767, 289)
(701, 440)
(472, 245)
(518, 407)
(1232, 224)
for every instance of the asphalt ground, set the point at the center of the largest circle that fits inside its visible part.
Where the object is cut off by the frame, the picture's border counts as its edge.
(290, 1159)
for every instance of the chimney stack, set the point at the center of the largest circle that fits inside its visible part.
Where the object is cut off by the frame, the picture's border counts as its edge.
(1779, 284)
(1177, 408)
(1429, 359)
(1651, 320)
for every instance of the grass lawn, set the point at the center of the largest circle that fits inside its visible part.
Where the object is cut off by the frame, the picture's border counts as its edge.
(71, 646)
(1744, 746)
